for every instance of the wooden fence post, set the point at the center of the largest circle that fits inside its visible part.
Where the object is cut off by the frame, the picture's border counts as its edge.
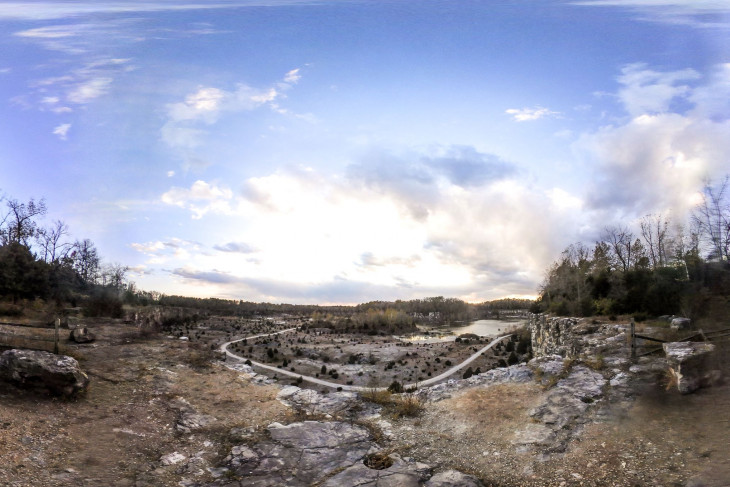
(55, 342)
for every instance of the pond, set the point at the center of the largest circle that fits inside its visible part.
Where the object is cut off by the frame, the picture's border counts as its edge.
(478, 327)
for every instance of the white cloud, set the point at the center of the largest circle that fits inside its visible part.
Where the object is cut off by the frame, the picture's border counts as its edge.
(645, 91)
(695, 13)
(62, 130)
(87, 90)
(200, 198)
(26, 10)
(530, 114)
(310, 229)
(293, 76)
(183, 132)
(657, 160)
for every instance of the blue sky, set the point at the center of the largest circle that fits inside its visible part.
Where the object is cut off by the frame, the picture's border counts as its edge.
(345, 151)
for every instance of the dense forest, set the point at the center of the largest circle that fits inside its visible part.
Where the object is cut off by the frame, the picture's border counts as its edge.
(665, 268)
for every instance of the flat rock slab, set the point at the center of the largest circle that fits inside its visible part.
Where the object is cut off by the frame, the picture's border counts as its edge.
(299, 454)
(400, 474)
(548, 368)
(583, 383)
(453, 478)
(312, 402)
(534, 434)
(560, 408)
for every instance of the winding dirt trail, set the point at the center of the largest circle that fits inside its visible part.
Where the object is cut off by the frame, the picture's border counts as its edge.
(344, 387)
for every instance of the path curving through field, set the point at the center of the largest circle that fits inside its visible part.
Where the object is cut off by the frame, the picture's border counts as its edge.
(345, 387)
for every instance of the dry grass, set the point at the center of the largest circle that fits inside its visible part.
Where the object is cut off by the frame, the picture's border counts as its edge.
(382, 397)
(595, 363)
(409, 405)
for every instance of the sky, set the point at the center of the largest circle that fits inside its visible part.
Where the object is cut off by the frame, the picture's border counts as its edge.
(343, 151)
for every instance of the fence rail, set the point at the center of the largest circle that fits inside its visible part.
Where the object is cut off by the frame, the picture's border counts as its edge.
(707, 336)
(44, 339)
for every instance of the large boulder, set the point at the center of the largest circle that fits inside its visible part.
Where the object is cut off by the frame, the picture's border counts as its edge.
(81, 335)
(690, 365)
(59, 374)
(680, 323)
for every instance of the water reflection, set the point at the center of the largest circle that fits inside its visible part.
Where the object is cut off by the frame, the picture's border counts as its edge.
(478, 327)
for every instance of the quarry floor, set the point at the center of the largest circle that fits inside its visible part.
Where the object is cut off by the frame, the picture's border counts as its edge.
(117, 433)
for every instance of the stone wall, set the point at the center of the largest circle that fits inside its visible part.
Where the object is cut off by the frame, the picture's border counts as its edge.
(553, 336)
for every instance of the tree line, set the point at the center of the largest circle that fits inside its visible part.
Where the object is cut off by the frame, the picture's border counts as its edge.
(658, 267)
(39, 261)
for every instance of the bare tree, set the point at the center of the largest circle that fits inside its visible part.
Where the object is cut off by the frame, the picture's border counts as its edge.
(49, 240)
(113, 275)
(86, 260)
(21, 226)
(712, 217)
(654, 232)
(620, 238)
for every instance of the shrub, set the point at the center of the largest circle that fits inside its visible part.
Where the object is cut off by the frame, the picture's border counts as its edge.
(468, 373)
(395, 387)
(408, 405)
(512, 359)
(103, 302)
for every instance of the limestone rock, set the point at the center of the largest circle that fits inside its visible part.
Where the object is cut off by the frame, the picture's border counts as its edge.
(680, 323)
(400, 474)
(534, 434)
(453, 478)
(548, 367)
(189, 419)
(172, 458)
(81, 335)
(300, 454)
(59, 374)
(584, 383)
(560, 408)
(554, 336)
(690, 365)
(311, 402)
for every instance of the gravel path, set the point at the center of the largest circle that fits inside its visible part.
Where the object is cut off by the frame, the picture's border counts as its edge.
(344, 387)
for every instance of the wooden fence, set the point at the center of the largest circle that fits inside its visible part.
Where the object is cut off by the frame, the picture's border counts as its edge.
(707, 336)
(19, 335)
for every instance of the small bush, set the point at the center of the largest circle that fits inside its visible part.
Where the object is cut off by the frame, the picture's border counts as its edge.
(395, 387)
(10, 310)
(409, 405)
(639, 317)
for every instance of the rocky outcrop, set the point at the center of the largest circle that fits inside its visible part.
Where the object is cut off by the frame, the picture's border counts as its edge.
(400, 473)
(453, 478)
(188, 418)
(513, 374)
(554, 336)
(299, 454)
(690, 365)
(330, 454)
(58, 374)
(310, 402)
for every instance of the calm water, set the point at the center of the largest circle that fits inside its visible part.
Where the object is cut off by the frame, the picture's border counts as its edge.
(478, 327)
(486, 327)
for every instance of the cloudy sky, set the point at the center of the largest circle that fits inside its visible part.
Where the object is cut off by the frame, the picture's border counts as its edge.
(340, 151)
